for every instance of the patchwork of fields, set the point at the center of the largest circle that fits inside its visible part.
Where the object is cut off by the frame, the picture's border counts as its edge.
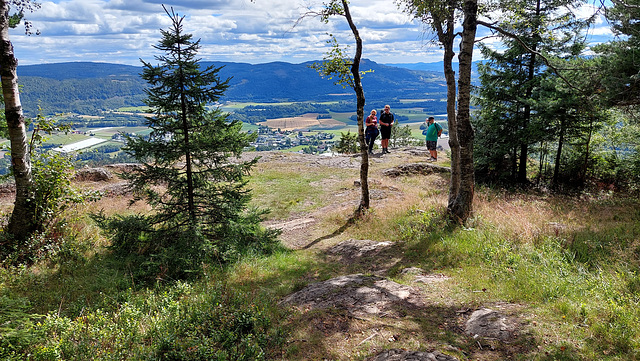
(306, 121)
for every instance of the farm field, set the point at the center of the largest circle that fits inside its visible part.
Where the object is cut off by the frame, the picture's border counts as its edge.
(306, 121)
(110, 131)
(343, 117)
(231, 106)
(139, 109)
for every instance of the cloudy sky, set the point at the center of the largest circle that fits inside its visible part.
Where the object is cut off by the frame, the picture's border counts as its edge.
(124, 31)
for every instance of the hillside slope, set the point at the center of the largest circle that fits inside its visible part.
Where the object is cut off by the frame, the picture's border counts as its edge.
(88, 88)
(531, 276)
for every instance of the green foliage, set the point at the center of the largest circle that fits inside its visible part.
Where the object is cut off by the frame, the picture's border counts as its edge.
(258, 113)
(617, 65)
(53, 195)
(178, 323)
(16, 327)
(156, 254)
(347, 144)
(336, 64)
(614, 161)
(514, 106)
(128, 233)
(162, 253)
(401, 136)
(53, 190)
(19, 7)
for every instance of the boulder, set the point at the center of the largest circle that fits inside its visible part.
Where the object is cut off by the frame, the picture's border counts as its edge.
(490, 324)
(93, 175)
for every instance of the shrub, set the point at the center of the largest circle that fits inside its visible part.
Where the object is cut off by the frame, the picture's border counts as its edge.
(159, 254)
(15, 328)
(177, 323)
(347, 144)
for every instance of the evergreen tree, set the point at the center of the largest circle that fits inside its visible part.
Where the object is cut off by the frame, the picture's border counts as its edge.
(511, 119)
(347, 144)
(401, 136)
(572, 116)
(197, 194)
(618, 62)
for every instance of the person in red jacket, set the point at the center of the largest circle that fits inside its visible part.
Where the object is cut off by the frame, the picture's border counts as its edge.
(371, 132)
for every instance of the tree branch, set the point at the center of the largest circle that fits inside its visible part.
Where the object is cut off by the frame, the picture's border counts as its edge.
(527, 48)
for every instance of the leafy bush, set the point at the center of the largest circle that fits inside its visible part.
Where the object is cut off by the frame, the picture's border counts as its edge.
(179, 323)
(52, 195)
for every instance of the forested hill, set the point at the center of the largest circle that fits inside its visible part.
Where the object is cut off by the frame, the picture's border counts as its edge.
(88, 88)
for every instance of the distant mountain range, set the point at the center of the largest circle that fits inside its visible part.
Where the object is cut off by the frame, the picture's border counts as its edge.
(437, 66)
(88, 88)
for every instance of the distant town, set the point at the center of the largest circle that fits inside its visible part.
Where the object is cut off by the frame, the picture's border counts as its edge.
(277, 139)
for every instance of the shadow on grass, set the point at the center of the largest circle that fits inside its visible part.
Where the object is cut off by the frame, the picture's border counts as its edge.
(337, 232)
(76, 285)
(422, 243)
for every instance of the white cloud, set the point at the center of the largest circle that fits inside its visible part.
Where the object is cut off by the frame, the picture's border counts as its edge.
(85, 29)
(123, 31)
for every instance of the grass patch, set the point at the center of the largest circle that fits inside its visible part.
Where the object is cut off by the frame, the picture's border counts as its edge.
(580, 286)
(295, 189)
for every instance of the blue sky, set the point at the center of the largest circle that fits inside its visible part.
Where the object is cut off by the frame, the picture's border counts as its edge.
(123, 31)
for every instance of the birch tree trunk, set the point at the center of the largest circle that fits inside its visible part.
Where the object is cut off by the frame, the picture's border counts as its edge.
(22, 222)
(357, 87)
(461, 208)
(447, 37)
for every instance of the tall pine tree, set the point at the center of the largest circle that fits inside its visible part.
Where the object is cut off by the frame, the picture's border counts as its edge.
(198, 196)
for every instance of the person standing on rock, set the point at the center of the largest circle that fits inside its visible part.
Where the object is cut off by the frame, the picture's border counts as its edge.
(386, 122)
(433, 132)
(371, 133)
